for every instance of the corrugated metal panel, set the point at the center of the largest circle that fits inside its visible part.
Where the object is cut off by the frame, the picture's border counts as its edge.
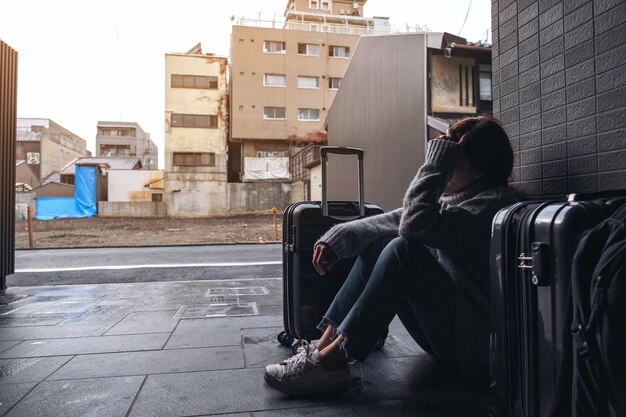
(8, 119)
(113, 163)
(380, 107)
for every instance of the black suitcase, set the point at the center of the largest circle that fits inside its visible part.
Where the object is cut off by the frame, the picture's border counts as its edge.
(306, 295)
(532, 246)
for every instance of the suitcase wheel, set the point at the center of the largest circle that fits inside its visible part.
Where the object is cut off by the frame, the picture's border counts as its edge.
(493, 411)
(285, 339)
(381, 340)
(379, 343)
(296, 346)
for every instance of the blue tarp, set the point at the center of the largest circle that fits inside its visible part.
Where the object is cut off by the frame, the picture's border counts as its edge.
(50, 208)
(82, 205)
(85, 190)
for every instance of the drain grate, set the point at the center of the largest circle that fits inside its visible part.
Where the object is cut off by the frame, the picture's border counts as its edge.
(195, 311)
(46, 308)
(236, 291)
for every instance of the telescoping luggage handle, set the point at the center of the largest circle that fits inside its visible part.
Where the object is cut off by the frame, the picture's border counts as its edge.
(596, 195)
(342, 150)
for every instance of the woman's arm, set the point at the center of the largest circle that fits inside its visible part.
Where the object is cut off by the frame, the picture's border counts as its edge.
(351, 238)
(455, 228)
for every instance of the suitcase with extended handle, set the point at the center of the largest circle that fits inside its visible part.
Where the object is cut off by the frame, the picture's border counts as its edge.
(306, 295)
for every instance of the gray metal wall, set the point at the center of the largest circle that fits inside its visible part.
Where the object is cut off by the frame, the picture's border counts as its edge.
(559, 88)
(380, 107)
(8, 117)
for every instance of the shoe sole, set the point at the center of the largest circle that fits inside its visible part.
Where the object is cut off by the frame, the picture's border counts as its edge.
(285, 388)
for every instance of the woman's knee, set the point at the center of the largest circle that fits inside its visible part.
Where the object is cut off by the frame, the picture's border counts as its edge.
(374, 250)
(401, 247)
(408, 252)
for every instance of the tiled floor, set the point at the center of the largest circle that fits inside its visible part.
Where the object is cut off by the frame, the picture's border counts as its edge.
(190, 349)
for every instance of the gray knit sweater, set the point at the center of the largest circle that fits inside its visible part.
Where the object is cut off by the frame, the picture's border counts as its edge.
(456, 228)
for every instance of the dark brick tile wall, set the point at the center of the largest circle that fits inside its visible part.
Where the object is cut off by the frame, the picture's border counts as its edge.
(559, 88)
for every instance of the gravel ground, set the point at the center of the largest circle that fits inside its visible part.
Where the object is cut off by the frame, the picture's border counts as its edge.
(153, 231)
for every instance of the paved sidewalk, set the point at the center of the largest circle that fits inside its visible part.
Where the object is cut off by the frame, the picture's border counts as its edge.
(190, 349)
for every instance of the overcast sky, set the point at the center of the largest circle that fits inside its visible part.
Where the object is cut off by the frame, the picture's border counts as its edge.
(81, 61)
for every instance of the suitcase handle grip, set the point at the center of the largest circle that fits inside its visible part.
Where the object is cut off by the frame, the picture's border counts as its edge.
(342, 150)
(597, 195)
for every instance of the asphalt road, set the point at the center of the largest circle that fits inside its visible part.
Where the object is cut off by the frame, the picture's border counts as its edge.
(172, 263)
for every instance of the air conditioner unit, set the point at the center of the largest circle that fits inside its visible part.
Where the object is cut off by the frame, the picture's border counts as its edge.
(355, 5)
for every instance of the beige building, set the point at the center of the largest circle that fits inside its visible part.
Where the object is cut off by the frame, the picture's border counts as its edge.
(47, 146)
(284, 78)
(196, 126)
(126, 139)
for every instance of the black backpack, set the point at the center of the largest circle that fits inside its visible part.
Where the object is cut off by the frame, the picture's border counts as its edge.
(599, 322)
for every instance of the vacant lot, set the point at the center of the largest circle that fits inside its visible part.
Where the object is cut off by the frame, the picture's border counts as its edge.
(108, 231)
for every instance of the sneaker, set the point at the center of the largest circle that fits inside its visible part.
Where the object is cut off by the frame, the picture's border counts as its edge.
(304, 373)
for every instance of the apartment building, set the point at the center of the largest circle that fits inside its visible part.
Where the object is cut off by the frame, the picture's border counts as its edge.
(47, 146)
(196, 127)
(284, 78)
(126, 139)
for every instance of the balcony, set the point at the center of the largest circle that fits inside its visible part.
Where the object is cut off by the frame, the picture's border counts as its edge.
(365, 26)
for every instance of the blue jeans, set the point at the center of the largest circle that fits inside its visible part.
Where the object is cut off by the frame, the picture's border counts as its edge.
(396, 276)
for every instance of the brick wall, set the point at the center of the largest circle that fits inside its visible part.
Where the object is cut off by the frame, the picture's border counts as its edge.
(130, 209)
(254, 196)
(559, 86)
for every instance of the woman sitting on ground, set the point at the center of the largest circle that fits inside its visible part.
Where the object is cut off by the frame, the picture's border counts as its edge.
(427, 262)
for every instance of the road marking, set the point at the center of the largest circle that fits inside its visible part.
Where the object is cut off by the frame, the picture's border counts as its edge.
(232, 280)
(121, 267)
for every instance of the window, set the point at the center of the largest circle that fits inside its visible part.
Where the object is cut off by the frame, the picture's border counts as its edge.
(194, 120)
(68, 179)
(308, 114)
(313, 4)
(467, 96)
(484, 82)
(274, 113)
(308, 49)
(308, 82)
(157, 197)
(274, 47)
(194, 159)
(117, 132)
(334, 83)
(194, 81)
(339, 51)
(326, 5)
(274, 80)
(114, 150)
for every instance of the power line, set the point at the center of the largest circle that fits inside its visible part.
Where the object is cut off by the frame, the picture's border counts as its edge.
(466, 14)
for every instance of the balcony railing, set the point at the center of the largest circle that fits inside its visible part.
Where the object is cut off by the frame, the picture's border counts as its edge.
(300, 162)
(321, 27)
(24, 135)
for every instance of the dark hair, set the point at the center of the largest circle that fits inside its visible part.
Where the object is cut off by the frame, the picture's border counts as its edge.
(487, 146)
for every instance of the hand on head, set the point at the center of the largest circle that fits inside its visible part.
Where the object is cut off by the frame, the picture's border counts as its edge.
(464, 173)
